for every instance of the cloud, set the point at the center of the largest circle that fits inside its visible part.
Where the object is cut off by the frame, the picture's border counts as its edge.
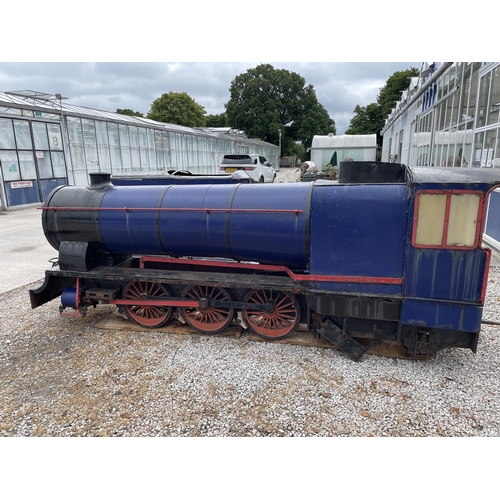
(339, 86)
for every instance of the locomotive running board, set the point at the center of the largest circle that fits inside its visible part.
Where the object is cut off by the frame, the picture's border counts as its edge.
(343, 342)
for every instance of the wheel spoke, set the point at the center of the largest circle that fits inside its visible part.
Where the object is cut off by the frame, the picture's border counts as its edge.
(207, 319)
(279, 323)
(148, 316)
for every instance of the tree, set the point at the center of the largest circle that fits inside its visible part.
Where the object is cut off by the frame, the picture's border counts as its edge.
(390, 93)
(178, 108)
(129, 112)
(265, 100)
(219, 120)
(366, 120)
(370, 119)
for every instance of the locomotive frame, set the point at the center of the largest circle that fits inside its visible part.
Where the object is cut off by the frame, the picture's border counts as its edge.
(422, 297)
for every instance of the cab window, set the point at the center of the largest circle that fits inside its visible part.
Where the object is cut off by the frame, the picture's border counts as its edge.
(447, 219)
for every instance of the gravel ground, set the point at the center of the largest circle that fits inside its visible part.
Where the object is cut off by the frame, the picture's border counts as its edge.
(63, 376)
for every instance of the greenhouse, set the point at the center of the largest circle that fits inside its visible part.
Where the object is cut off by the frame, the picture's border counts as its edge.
(46, 142)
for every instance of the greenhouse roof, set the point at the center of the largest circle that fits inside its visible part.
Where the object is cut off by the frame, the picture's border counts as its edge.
(54, 103)
(344, 141)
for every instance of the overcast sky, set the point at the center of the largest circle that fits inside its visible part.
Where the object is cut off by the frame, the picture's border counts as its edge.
(339, 38)
(108, 86)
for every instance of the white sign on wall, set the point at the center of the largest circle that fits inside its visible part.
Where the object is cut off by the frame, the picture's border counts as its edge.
(21, 184)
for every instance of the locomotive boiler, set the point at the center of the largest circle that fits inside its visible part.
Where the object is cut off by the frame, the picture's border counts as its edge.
(388, 255)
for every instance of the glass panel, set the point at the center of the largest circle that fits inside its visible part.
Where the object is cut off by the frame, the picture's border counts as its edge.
(23, 134)
(113, 134)
(27, 164)
(462, 222)
(143, 141)
(6, 134)
(473, 90)
(124, 138)
(136, 159)
(489, 147)
(104, 158)
(151, 138)
(10, 165)
(134, 137)
(126, 159)
(55, 139)
(78, 157)
(143, 138)
(454, 111)
(10, 111)
(478, 150)
(430, 222)
(483, 99)
(101, 133)
(465, 93)
(58, 164)
(116, 162)
(80, 177)
(166, 142)
(89, 137)
(40, 135)
(495, 97)
(91, 158)
(144, 159)
(44, 164)
(75, 130)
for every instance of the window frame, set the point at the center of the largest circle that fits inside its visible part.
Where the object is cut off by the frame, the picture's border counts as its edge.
(449, 193)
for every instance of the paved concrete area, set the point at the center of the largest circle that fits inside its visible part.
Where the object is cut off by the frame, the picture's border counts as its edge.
(287, 175)
(24, 251)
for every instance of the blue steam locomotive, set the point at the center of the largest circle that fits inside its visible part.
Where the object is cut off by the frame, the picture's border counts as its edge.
(386, 256)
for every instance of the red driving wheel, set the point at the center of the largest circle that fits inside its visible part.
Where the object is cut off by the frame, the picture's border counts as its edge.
(148, 316)
(281, 317)
(205, 318)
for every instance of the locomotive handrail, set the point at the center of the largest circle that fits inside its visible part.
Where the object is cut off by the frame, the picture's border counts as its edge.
(168, 209)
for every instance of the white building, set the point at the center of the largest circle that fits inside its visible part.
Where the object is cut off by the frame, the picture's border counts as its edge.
(449, 117)
(328, 149)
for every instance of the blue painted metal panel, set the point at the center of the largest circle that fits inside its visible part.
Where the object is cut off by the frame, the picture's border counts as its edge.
(21, 196)
(268, 237)
(359, 230)
(275, 238)
(135, 231)
(445, 274)
(435, 314)
(47, 185)
(372, 289)
(200, 233)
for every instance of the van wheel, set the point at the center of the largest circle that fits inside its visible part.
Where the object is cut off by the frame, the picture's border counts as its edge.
(261, 179)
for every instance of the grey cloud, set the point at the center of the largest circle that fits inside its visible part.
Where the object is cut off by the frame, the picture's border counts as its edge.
(135, 85)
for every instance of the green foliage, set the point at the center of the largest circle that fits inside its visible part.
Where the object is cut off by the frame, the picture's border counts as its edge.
(129, 112)
(178, 108)
(366, 120)
(390, 93)
(219, 120)
(370, 119)
(265, 100)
